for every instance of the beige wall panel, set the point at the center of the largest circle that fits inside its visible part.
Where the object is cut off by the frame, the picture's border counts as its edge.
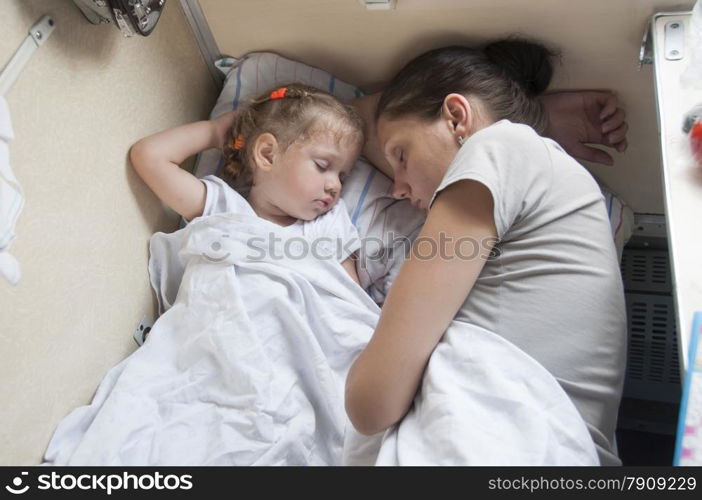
(85, 96)
(599, 40)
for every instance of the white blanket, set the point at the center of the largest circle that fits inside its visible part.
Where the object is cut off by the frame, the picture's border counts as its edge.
(482, 401)
(247, 365)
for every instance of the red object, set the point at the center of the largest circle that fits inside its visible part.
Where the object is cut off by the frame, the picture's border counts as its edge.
(696, 141)
(279, 94)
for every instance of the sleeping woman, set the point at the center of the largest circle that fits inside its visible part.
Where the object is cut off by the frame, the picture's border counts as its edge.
(460, 130)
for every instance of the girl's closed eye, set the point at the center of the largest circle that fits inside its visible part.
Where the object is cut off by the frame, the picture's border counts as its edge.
(321, 165)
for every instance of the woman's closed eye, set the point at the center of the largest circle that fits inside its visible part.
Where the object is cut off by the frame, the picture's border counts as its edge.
(400, 157)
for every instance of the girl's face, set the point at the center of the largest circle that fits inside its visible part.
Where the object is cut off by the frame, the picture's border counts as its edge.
(419, 153)
(305, 179)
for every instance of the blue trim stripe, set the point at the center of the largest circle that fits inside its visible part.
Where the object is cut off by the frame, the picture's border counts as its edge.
(696, 327)
(609, 210)
(357, 210)
(358, 92)
(235, 103)
(332, 84)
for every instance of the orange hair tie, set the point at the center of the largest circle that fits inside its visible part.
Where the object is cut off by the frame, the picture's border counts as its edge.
(279, 93)
(238, 142)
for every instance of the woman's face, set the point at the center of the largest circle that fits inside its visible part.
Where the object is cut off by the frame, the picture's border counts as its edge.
(419, 153)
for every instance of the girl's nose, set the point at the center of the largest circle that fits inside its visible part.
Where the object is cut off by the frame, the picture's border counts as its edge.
(333, 185)
(400, 191)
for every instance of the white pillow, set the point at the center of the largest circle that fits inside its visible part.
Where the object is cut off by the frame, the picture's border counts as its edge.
(621, 219)
(386, 226)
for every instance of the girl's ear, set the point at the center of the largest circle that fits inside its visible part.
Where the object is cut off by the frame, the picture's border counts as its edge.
(458, 113)
(264, 151)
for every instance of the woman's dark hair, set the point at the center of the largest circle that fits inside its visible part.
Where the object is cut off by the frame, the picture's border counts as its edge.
(505, 76)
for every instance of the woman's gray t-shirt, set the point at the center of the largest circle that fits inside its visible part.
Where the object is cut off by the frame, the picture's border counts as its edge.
(554, 288)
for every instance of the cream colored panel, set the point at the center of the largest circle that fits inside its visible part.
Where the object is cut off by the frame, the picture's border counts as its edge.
(599, 40)
(83, 99)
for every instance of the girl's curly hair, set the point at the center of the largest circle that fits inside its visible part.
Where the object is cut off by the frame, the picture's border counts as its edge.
(292, 113)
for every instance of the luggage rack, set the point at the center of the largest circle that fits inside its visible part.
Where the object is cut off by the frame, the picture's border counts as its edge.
(667, 46)
(38, 34)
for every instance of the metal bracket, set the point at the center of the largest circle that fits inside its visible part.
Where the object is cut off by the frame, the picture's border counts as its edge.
(650, 225)
(122, 24)
(142, 330)
(646, 52)
(674, 40)
(38, 34)
(96, 11)
(379, 4)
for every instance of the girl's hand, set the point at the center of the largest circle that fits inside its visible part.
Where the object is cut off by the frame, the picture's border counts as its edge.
(221, 126)
(579, 118)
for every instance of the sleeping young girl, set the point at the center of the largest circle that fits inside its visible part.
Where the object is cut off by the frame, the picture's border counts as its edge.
(246, 364)
(291, 150)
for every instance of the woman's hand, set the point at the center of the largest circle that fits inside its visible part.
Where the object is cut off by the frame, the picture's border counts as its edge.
(220, 128)
(579, 118)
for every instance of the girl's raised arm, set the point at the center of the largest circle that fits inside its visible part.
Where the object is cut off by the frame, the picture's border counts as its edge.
(423, 300)
(157, 160)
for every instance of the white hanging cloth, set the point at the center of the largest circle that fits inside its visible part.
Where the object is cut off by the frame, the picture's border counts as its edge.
(11, 199)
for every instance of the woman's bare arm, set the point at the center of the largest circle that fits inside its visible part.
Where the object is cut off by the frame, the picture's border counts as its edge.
(422, 302)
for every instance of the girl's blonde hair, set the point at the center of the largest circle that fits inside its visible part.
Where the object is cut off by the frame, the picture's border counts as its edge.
(292, 113)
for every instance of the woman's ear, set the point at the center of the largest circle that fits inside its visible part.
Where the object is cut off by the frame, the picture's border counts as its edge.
(264, 151)
(458, 113)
